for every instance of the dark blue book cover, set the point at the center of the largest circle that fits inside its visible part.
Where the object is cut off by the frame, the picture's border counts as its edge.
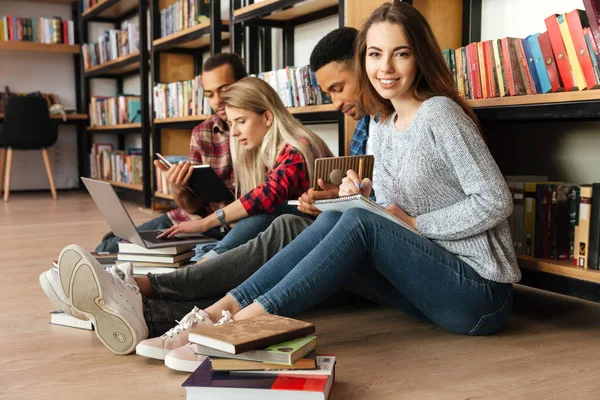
(531, 65)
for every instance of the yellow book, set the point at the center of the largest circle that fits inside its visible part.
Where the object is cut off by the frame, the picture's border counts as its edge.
(571, 52)
(498, 67)
(459, 80)
(482, 71)
(583, 232)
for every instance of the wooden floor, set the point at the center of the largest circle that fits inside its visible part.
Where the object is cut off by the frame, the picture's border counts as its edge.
(550, 349)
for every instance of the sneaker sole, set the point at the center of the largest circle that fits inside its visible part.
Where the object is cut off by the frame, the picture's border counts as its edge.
(85, 295)
(181, 365)
(55, 298)
(151, 352)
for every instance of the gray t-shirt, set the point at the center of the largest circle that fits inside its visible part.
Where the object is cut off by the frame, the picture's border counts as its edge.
(440, 171)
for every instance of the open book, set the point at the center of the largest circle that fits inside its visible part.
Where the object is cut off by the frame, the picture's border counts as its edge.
(344, 203)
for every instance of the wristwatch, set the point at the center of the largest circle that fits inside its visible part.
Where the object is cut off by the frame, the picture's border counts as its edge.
(221, 218)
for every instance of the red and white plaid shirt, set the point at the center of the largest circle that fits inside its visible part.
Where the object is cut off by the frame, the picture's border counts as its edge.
(209, 145)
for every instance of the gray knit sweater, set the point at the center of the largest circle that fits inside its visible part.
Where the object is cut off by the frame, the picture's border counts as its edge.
(440, 171)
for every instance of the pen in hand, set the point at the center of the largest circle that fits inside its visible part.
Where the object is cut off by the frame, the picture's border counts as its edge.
(360, 174)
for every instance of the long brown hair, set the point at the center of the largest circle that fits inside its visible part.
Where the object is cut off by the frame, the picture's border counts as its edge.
(433, 75)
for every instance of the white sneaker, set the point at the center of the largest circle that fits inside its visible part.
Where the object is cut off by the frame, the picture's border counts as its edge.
(174, 338)
(114, 306)
(185, 357)
(50, 283)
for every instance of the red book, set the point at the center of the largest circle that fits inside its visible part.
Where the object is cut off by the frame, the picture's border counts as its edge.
(549, 62)
(11, 28)
(489, 68)
(592, 8)
(65, 32)
(576, 20)
(524, 67)
(560, 54)
(473, 70)
(514, 79)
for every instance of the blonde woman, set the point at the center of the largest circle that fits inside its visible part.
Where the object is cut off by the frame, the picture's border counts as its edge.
(273, 156)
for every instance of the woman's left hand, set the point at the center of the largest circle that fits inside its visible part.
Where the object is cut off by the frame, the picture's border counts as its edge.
(198, 226)
(402, 215)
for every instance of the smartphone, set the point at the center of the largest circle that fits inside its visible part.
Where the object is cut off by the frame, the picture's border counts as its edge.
(164, 160)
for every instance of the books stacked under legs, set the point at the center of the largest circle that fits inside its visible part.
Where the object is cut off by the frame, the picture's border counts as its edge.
(155, 261)
(267, 357)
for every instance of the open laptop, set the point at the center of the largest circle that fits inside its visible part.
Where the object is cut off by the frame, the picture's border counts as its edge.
(120, 222)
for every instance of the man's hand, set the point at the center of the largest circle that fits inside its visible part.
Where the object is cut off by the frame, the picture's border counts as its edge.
(308, 198)
(178, 175)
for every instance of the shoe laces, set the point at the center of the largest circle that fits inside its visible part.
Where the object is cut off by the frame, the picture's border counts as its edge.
(227, 317)
(191, 319)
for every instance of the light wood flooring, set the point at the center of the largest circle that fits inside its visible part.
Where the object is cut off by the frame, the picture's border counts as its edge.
(550, 349)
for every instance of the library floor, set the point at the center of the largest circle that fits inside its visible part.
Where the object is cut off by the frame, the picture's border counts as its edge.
(550, 348)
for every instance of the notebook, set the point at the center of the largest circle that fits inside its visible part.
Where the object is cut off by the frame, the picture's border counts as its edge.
(344, 203)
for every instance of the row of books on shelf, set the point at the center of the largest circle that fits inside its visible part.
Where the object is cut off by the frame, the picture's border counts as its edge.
(183, 14)
(556, 220)
(112, 44)
(106, 111)
(87, 4)
(124, 166)
(180, 99)
(563, 58)
(296, 86)
(38, 30)
(162, 185)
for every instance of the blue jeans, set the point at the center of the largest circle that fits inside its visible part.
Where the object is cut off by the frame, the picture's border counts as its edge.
(403, 269)
(247, 229)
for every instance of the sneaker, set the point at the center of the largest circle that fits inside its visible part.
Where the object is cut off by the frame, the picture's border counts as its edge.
(50, 283)
(114, 306)
(174, 338)
(185, 358)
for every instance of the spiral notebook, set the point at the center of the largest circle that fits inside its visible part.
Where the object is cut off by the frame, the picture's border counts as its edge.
(344, 203)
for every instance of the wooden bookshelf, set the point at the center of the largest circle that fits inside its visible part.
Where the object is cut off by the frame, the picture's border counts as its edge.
(162, 195)
(564, 97)
(273, 10)
(116, 128)
(192, 38)
(70, 117)
(312, 109)
(192, 118)
(561, 268)
(110, 9)
(54, 1)
(124, 185)
(39, 47)
(121, 65)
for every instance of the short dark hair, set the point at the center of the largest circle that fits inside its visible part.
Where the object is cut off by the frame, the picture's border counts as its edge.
(336, 46)
(233, 60)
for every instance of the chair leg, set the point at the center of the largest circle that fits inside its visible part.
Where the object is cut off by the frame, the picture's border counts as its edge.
(2, 164)
(9, 156)
(49, 172)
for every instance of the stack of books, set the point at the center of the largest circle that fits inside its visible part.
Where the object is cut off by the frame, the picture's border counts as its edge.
(267, 357)
(155, 261)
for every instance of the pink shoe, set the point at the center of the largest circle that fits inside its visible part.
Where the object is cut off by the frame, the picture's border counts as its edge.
(176, 337)
(185, 358)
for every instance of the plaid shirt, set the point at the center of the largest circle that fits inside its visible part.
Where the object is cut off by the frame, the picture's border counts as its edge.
(209, 145)
(288, 180)
(358, 145)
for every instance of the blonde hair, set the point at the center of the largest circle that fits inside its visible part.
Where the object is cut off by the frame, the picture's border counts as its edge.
(251, 166)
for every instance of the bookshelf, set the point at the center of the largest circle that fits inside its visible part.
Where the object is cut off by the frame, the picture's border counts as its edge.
(39, 47)
(133, 64)
(71, 118)
(196, 37)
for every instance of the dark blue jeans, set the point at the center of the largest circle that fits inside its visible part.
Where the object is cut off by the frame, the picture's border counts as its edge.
(403, 269)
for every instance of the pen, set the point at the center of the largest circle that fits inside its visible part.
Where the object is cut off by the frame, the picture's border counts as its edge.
(360, 173)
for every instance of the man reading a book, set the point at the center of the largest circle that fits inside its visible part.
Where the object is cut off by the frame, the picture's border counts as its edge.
(209, 145)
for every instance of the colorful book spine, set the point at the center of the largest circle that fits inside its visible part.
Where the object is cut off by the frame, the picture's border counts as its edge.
(499, 67)
(550, 63)
(563, 25)
(576, 21)
(592, 9)
(560, 53)
(531, 65)
(538, 64)
(583, 230)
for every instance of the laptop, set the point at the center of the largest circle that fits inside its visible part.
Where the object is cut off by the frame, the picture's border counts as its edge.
(120, 222)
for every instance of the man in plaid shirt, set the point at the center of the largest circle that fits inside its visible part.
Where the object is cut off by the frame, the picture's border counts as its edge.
(209, 145)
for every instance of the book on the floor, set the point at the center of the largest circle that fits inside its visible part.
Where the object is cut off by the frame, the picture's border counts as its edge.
(132, 248)
(251, 334)
(345, 203)
(325, 366)
(205, 384)
(281, 353)
(230, 364)
(136, 264)
(141, 271)
(155, 257)
(60, 317)
(104, 257)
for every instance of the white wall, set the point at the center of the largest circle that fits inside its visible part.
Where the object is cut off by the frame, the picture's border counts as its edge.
(48, 73)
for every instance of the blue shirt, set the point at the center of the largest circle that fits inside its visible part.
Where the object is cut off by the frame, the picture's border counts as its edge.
(358, 145)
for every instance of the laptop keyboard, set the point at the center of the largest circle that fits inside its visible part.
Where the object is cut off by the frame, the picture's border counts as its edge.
(150, 236)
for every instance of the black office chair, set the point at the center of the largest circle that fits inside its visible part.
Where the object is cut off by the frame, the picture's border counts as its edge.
(27, 126)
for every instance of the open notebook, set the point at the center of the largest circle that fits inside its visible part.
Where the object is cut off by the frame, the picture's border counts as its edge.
(344, 203)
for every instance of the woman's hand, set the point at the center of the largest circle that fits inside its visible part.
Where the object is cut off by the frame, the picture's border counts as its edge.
(198, 226)
(351, 184)
(402, 216)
